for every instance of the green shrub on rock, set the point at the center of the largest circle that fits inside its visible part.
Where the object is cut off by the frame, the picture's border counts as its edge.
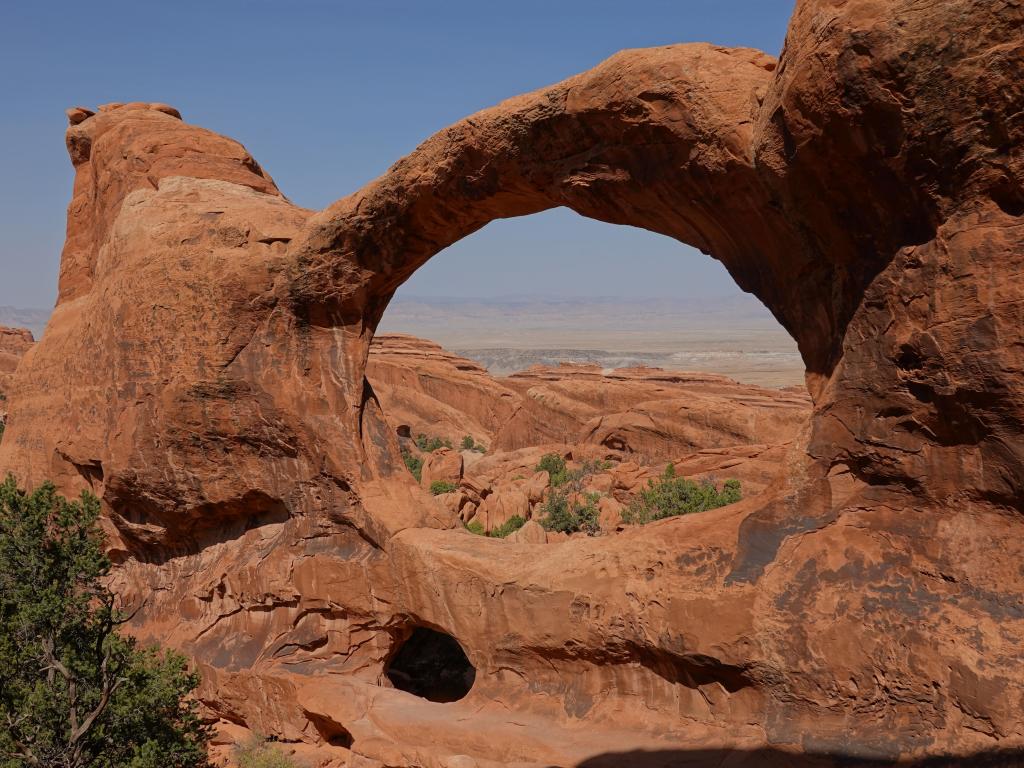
(74, 691)
(431, 444)
(413, 463)
(564, 515)
(672, 496)
(554, 465)
(259, 753)
(443, 486)
(510, 526)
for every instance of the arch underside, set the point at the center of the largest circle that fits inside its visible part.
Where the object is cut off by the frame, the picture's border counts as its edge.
(204, 373)
(661, 139)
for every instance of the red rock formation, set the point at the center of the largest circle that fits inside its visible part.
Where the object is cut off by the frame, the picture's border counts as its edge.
(657, 414)
(204, 373)
(14, 343)
(707, 425)
(428, 389)
(444, 465)
(648, 411)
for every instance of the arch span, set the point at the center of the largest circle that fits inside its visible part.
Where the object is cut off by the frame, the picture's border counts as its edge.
(660, 139)
(210, 347)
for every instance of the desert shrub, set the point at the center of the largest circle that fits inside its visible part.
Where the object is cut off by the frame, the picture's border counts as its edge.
(672, 496)
(413, 463)
(559, 474)
(569, 516)
(443, 486)
(577, 477)
(554, 465)
(431, 444)
(469, 444)
(2, 427)
(74, 691)
(258, 753)
(511, 525)
(731, 492)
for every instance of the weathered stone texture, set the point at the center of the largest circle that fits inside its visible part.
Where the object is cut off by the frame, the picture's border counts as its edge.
(204, 373)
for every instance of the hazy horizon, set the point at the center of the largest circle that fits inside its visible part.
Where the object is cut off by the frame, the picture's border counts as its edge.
(732, 334)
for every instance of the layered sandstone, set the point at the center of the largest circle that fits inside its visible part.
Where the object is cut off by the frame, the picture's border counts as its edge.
(204, 373)
(656, 414)
(427, 389)
(634, 420)
(14, 343)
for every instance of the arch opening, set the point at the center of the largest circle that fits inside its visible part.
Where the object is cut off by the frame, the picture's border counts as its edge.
(432, 665)
(558, 286)
(477, 386)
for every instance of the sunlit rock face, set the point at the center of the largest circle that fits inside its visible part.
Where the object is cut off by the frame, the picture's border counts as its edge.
(14, 343)
(640, 412)
(204, 374)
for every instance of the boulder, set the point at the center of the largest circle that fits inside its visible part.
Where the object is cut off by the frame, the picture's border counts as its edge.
(501, 506)
(535, 486)
(610, 513)
(444, 464)
(531, 533)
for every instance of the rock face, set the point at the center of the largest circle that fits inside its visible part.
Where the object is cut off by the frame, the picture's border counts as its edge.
(204, 373)
(634, 419)
(423, 388)
(444, 466)
(14, 343)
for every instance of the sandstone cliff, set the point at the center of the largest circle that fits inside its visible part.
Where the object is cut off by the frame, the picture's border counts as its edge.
(204, 373)
(14, 343)
(647, 411)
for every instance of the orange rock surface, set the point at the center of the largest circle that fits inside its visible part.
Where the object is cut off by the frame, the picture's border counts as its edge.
(656, 414)
(637, 420)
(204, 374)
(14, 343)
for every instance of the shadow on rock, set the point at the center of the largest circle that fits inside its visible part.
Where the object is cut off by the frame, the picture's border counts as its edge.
(773, 758)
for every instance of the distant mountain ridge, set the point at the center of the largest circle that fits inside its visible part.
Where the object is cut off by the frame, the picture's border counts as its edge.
(737, 307)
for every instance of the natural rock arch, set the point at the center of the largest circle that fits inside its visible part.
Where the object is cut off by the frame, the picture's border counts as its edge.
(659, 139)
(204, 373)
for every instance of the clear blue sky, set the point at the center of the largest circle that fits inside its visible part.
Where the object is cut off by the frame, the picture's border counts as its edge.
(326, 95)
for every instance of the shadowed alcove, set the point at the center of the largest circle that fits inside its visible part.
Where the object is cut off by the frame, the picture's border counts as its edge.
(432, 665)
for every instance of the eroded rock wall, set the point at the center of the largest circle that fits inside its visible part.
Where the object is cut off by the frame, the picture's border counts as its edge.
(654, 413)
(204, 374)
(14, 343)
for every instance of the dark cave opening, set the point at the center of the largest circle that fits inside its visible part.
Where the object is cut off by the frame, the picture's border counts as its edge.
(431, 665)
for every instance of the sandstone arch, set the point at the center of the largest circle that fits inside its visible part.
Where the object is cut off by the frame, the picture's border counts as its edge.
(204, 371)
(643, 133)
